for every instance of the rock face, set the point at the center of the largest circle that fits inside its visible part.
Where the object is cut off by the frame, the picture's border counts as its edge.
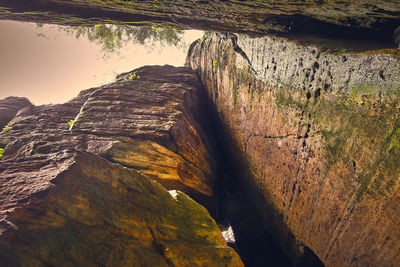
(317, 138)
(153, 123)
(92, 212)
(9, 108)
(365, 18)
(64, 200)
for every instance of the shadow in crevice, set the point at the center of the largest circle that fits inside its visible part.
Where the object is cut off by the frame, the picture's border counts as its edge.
(254, 241)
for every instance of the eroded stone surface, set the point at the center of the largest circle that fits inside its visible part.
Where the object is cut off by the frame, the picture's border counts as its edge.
(9, 108)
(321, 163)
(364, 18)
(83, 210)
(151, 123)
(60, 203)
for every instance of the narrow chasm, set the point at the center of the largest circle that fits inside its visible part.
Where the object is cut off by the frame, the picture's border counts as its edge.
(236, 215)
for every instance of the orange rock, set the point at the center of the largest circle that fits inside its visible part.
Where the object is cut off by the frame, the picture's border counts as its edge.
(93, 212)
(321, 163)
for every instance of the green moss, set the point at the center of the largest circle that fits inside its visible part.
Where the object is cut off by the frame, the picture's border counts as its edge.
(285, 98)
(334, 142)
(358, 129)
(393, 140)
(363, 90)
(364, 181)
(384, 169)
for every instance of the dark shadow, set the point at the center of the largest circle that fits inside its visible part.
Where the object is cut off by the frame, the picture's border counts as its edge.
(254, 241)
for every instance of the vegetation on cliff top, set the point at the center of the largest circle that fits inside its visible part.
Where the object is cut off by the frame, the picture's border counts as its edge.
(114, 37)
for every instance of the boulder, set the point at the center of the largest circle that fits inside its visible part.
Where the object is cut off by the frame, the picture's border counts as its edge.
(78, 209)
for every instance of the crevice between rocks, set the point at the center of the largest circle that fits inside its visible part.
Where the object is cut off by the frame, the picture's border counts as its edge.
(236, 205)
(234, 209)
(254, 242)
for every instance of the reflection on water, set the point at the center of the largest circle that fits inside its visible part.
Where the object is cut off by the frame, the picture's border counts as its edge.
(51, 64)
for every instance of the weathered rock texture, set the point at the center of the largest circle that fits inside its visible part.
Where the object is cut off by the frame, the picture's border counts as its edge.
(151, 124)
(367, 18)
(86, 211)
(60, 205)
(9, 108)
(318, 137)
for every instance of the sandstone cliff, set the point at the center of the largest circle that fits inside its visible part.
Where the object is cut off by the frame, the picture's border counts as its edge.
(363, 18)
(313, 133)
(317, 138)
(152, 123)
(62, 204)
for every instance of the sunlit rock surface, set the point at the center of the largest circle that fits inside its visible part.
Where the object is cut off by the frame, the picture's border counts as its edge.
(82, 210)
(317, 139)
(153, 124)
(81, 194)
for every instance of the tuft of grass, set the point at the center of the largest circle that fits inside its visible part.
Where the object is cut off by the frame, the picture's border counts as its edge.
(132, 76)
(70, 123)
(1, 152)
(215, 63)
(6, 128)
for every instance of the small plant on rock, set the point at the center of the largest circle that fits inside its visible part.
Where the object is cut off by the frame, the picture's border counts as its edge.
(132, 76)
(215, 63)
(70, 123)
(6, 128)
(1, 152)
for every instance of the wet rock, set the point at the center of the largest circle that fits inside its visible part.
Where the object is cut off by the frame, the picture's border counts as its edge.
(315, 135)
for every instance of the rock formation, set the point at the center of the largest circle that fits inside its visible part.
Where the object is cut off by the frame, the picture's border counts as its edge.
(81, 194)
(363, 18)
(152, 123)
(318, 133)
(311, 132)
(86, 211)
(9, 108)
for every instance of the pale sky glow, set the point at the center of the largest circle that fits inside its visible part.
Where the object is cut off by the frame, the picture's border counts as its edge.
(54, 68)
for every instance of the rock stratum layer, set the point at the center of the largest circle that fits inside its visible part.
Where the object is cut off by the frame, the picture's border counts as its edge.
(317, 136)
(363, 18)
(81, 194)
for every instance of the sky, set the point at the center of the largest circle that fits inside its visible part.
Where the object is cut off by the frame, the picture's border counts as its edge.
(47, 65)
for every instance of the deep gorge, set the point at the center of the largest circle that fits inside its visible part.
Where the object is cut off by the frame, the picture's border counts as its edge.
(283, 124)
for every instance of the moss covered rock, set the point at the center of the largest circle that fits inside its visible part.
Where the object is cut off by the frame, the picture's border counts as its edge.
(86, 211)
(316, 136)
